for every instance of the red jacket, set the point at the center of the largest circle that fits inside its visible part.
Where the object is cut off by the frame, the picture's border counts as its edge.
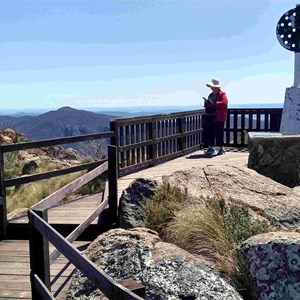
(221, 106)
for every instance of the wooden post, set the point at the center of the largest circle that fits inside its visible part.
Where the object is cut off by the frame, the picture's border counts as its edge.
(3, 213)
(113, 183)
(275, 120)
(39, 255)
(152, 136)
(113, 139)
(180, 128)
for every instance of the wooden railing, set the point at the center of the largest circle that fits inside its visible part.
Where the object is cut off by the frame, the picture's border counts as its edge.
(241, 121)
(41, 233)
(150, 140)
(4, 183)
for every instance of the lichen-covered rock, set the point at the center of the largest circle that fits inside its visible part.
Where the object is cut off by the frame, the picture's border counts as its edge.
(132, 202)
(277, 157)
(166, 271)
(265, 198)
(272, 261)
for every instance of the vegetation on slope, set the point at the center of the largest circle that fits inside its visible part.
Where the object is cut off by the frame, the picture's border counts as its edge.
(213, 230)
(20, 198)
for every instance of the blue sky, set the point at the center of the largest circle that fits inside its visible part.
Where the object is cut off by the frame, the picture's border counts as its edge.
(140, 53)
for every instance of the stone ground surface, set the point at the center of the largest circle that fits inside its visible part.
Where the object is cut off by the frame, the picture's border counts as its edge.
(166, 271)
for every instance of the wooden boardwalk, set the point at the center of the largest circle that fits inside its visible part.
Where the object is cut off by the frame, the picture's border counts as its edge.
(14, 254)
(15, 268)
(73, 212)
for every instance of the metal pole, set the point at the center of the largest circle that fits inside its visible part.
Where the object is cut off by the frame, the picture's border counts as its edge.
(297, 70)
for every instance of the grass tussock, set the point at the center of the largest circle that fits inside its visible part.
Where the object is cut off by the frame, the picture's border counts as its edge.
(201, 231)
(163, 207)
(214, 230)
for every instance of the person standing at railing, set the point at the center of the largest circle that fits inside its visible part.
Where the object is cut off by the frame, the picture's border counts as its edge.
(215, 117)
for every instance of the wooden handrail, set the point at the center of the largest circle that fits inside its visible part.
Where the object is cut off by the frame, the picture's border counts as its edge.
(57, 196)
(105, 283)
(80, 228)
(58, 141)
(51, 174)
(157, 117)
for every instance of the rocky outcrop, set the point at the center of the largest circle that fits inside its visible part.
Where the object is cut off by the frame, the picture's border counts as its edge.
(265, 198)
(63, 153)
(277, 157)
(132, 202)
(272, 261)
(9, 136)
(166, 271)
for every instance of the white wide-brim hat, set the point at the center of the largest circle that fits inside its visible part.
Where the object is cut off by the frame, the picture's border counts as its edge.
(214, 83)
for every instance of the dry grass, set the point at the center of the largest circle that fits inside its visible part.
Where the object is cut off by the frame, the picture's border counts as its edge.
(211, 229)
(163, 206)
(201, 231)
(32, 193)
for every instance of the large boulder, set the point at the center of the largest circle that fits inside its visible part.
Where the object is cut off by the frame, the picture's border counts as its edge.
(273, 264)
(276, 156)
(266, 199)
(132, 202)
(166, 271)
(29, 167)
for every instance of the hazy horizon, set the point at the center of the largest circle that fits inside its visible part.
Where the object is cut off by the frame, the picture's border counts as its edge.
(132, 109)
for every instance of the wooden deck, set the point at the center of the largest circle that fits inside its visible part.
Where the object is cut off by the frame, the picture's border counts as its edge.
(73, 212)
(14, 254)
(15, 268)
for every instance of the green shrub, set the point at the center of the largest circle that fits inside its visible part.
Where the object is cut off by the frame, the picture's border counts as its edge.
(239, 224)
(213, 229)
(12, 165)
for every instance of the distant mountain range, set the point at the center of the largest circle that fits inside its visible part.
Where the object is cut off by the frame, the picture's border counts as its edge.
(65, 121)
(68, 121)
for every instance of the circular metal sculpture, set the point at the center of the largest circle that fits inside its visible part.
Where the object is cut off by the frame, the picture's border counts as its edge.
(288, 30)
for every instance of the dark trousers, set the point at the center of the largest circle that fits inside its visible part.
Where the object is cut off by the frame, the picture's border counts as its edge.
(219, 133)
(208, 134)
(213, 132)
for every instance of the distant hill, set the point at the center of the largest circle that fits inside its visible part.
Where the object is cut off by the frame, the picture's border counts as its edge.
(65, 121)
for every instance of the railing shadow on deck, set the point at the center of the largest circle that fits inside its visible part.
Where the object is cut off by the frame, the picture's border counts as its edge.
(137, 143)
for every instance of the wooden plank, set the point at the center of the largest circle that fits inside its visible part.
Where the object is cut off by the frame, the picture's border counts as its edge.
(51, 174)
(56, 141)
(54, 198)
(158, 160)
(79, 230)
(11, 294)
